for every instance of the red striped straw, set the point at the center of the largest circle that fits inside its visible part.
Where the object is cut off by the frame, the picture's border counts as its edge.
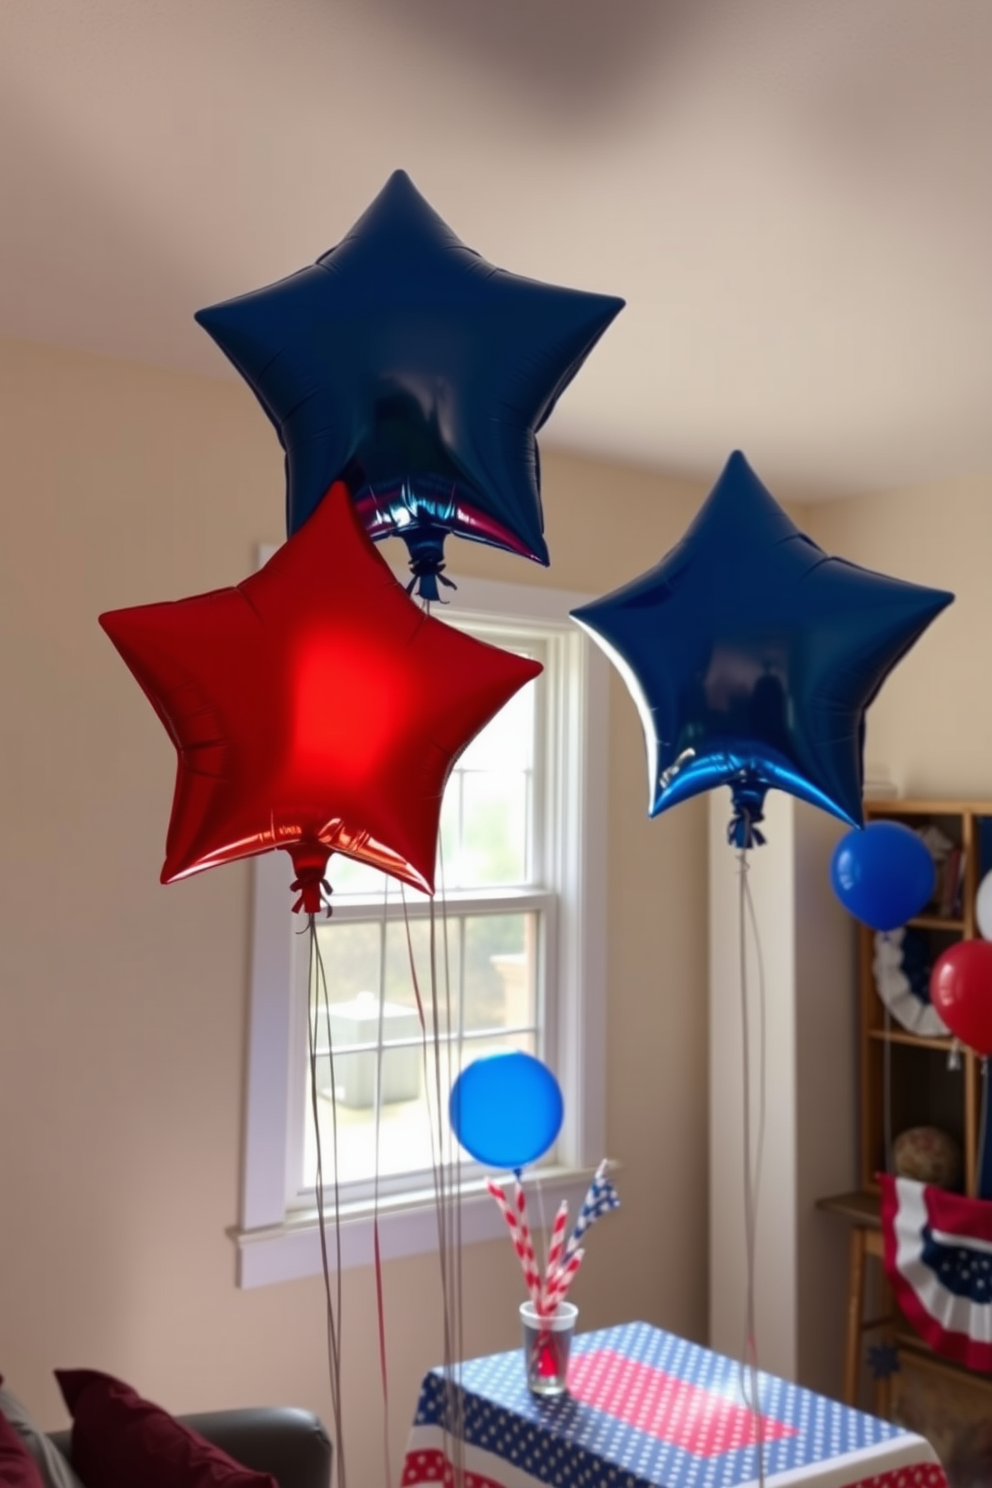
(555, 1247)
(523, 1228)
(532, 1280)
(564, 1277)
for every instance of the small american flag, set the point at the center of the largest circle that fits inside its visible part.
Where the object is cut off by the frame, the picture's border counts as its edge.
(602, 1197)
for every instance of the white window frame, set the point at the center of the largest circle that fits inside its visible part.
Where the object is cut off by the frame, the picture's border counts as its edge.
(278, 1243)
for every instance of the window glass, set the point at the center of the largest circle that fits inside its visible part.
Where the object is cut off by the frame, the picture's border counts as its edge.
(408, 1127)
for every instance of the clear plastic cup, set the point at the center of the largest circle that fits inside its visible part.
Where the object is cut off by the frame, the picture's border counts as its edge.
(547, 1343)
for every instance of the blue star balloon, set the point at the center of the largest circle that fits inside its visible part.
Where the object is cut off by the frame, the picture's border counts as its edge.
(752, 656)
(405, 365)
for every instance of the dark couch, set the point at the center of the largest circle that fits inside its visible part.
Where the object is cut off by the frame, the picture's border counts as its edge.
(290, 1444)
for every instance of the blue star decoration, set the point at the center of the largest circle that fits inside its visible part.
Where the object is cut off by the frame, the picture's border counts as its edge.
(883, 1360)
(752, 656)
(406, 365)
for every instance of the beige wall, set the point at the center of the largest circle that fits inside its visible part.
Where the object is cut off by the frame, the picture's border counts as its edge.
(932, 723)
(122, 1003)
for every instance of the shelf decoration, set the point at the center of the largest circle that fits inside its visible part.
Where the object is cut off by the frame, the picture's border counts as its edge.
(928, 1154)
(917, 1072)
(901, 966)
(938, 1258)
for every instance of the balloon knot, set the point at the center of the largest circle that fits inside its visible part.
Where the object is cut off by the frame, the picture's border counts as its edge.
(426, 577)
(314, 892)
(748, 795)
(424, 539)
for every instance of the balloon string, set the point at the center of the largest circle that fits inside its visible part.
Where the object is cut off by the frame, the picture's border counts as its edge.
(455, 1154)
(984, 1155)
(380, 1309)
(437, 1152)
(451, 1393)
(752, 1164)
(887, 1088)
(318, 991)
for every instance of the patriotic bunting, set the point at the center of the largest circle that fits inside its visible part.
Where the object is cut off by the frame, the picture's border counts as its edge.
(938, 1256)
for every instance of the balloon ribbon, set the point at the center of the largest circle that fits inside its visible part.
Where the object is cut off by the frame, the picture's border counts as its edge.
(310, 861)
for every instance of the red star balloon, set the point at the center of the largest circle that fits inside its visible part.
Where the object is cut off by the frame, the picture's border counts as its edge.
(314, 707)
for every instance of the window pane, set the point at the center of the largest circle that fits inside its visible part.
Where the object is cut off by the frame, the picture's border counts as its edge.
(355, 1025)
(490, 973)
(500, 963)
(409, 1110)
(346, 876)
(400, 988)
(449, 855)
(350, 953)
(473, 1048)
(508, 742)
(493, 846)
(404, 1127)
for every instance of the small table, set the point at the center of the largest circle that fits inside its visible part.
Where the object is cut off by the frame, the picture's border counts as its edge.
(647, 1409)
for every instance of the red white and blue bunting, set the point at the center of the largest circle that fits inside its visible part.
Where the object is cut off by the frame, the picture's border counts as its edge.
(938, 1256)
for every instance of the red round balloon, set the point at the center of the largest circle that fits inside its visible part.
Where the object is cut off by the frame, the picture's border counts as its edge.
(315, 707)
(961, 991)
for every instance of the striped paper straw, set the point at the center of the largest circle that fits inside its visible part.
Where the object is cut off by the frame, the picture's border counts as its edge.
(602, 1197)
(564, 1277)
(528, 1244)
(555, 1247)
(531, 1279)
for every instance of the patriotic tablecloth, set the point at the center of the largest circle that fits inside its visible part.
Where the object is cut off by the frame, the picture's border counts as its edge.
(646, 1409)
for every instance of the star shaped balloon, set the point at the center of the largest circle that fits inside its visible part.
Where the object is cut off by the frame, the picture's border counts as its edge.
(314, 707)
(752, 656)
(412, 369)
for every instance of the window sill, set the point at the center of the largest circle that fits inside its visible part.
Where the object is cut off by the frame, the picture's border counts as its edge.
(407, 1227)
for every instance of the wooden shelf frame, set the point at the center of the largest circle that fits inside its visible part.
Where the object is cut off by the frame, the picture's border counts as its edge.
(959, 819)
(937, 922)
(911, 1040)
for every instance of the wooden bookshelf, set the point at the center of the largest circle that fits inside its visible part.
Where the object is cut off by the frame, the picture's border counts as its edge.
(924, 1090)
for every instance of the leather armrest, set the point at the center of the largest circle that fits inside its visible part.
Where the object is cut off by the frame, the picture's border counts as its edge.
(290, 1444)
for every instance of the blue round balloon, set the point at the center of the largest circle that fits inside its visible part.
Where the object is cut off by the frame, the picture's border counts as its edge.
(506, 1109)
(883, 874)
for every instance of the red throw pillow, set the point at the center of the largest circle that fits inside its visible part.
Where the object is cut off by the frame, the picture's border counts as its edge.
(119, 1440)
(17, 1468)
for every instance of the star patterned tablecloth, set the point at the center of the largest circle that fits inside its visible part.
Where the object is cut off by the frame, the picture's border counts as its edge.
(646, 1409)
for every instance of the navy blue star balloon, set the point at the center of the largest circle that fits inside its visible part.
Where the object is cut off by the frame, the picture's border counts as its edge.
(406, 365)
(752, 656)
